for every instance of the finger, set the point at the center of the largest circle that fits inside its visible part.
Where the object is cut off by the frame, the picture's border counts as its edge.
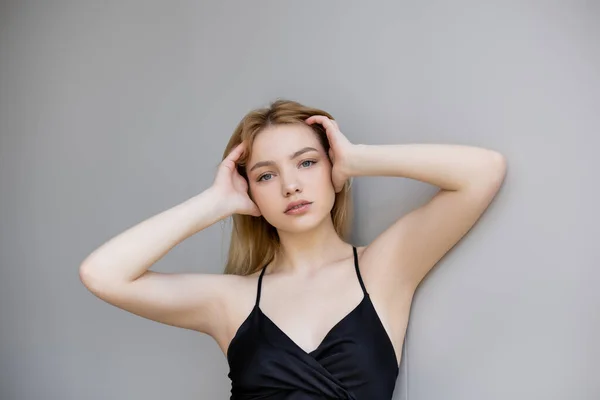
(321, 119)
(341, 185)
(330, 128)
(230, 162)
(237, 151)
(337, 188)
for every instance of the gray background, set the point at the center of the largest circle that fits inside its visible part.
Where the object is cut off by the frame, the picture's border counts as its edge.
(113, 111)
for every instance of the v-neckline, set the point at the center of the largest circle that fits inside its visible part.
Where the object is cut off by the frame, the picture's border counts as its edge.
(329, 332)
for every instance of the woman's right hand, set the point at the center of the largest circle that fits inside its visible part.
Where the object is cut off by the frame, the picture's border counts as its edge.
(232, 187)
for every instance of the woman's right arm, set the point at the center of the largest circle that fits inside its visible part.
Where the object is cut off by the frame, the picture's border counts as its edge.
(117, 272)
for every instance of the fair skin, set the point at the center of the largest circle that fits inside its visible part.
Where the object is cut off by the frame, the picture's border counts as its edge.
(298, 284)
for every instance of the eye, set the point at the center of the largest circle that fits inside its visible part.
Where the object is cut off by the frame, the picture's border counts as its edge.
(260, 178)
(303, 163)
(308, 161)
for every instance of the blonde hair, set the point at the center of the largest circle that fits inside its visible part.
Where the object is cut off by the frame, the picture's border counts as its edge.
(255, 242)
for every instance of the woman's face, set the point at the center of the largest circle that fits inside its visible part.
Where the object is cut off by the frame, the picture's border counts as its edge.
(289, 164)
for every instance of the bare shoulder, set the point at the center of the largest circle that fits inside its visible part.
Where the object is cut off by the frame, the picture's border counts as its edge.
(377, 281)
(238, 299)
(195, 301)
(398, 259)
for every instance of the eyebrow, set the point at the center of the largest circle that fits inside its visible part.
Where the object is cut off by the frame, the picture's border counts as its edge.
(296, 154)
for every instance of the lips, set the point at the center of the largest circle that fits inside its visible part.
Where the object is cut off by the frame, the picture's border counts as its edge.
(295, 204)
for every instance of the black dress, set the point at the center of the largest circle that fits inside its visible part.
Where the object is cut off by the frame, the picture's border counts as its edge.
(355, 360)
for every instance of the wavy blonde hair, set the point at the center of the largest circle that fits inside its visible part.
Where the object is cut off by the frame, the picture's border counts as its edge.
(255, 242)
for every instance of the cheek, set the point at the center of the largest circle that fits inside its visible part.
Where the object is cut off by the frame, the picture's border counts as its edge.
(324, 177)
(262, 197)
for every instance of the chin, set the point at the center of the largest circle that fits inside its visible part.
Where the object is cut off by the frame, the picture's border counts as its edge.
(300, 227)
(300, 223)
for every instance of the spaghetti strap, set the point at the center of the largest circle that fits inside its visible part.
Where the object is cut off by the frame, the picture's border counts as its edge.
(362, 285)
(355, 360)
(259, 285)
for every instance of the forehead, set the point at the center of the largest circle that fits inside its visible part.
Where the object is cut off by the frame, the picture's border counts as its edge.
(279, 141)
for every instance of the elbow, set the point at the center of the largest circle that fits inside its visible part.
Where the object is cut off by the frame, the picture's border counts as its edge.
(499, 168)
(500, 162)
(495, 167)
(93, 280)
(87, 277)
(489, 174)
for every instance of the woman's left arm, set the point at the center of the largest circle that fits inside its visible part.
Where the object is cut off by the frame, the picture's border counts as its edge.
(468, 177)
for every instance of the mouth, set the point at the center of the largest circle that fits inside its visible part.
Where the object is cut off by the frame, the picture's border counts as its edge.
(298, 208)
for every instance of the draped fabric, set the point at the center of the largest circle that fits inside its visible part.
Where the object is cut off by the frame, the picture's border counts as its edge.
(355, 360)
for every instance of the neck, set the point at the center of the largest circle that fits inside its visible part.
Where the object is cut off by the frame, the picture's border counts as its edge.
(306, 252)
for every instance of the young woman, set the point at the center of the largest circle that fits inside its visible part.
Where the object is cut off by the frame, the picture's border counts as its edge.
(300, 313)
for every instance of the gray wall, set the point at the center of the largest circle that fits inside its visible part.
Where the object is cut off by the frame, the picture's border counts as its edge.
(113, 111)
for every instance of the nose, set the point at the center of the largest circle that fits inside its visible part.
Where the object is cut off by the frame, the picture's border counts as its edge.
(291, 185)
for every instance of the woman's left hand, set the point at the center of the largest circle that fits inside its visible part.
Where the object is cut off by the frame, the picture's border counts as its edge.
(339, 152)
